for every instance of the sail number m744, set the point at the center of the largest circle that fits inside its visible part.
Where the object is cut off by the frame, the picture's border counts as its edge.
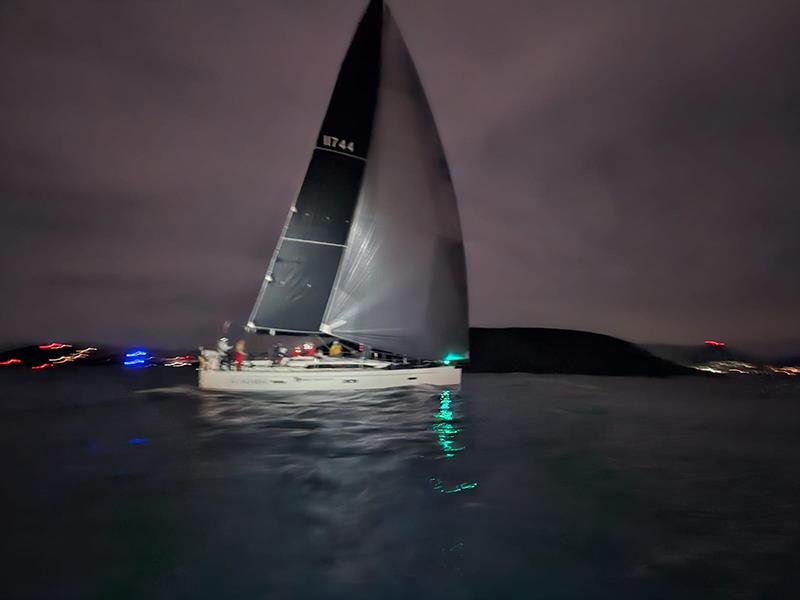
(340, 144)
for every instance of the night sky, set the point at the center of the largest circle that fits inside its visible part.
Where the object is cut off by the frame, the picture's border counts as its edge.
(626, 167)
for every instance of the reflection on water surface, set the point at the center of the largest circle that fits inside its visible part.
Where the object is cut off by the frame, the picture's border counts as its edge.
(123, 485)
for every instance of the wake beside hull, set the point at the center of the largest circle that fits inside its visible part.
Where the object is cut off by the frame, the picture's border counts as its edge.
(277, 379)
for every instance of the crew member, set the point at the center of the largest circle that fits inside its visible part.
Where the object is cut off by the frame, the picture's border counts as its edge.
(201, 359)
(224, 349)
(239, 355)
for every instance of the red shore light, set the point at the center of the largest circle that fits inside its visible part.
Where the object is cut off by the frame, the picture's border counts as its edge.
(54, 346)
(10, 361)
(42, 366)
(715, 343)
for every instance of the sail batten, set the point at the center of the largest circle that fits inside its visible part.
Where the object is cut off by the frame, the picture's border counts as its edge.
(354, 157)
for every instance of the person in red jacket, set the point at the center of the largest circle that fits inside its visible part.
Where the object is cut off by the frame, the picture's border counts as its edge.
(239, 355)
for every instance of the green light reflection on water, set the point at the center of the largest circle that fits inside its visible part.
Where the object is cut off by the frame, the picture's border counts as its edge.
(446, 432)
(439, 487)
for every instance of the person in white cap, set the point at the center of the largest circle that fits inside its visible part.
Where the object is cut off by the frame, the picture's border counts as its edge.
(224, 350)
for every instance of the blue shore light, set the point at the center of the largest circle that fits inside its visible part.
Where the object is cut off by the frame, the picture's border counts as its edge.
(136, 357)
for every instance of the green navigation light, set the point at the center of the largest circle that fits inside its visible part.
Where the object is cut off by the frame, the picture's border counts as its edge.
(451, 356)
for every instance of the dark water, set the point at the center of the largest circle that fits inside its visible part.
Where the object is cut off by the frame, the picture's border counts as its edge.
(135, 485)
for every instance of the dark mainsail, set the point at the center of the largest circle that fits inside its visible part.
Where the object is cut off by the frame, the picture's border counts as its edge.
(374, 252)
(298, 283)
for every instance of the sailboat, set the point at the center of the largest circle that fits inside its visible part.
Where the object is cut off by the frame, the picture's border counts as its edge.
(371, 251)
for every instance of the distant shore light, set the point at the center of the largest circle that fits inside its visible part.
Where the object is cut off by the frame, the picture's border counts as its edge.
(136, 357)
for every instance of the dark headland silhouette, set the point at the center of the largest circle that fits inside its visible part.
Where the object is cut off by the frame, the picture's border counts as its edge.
(564, 351)
(492, 350)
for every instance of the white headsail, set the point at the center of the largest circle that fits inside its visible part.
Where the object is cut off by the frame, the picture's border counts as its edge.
(394, 277)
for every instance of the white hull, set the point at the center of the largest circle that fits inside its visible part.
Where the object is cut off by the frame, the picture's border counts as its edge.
(283, 379)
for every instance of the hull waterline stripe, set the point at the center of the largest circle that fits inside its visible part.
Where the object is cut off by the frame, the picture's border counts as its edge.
(342, 153)
(288, 239)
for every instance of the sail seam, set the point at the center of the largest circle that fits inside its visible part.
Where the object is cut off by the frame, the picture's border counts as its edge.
(289, 239)
(342, 153)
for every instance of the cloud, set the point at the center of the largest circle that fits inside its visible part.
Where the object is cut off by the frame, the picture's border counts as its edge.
(622, 167)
